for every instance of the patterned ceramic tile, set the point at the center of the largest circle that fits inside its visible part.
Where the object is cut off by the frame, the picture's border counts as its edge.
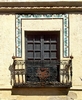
(65, 19)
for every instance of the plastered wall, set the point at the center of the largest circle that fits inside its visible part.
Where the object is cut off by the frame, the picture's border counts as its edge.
(75, 25)
(7, 50)
(7, 47)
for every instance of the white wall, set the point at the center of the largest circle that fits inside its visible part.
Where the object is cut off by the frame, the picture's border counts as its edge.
(7, 49)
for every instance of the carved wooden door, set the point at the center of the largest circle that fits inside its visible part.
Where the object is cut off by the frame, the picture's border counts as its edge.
(42, 52)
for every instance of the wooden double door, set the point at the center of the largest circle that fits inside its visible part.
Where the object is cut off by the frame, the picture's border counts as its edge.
(42, 52)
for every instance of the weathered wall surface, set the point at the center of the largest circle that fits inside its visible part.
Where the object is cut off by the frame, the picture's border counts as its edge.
(75, 25)
(7, 50)
(7, 47)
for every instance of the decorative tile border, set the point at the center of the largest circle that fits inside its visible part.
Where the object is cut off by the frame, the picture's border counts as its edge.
(19, 18)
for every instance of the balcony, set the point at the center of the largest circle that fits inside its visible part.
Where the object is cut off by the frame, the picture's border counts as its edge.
(42, 74)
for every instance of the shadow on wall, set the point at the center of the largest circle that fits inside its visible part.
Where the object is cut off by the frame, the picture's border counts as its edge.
(11, 69)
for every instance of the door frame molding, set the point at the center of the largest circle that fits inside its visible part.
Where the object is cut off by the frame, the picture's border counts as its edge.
(18, 28)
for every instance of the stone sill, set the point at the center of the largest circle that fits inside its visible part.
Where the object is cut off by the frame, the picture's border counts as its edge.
(76, 88)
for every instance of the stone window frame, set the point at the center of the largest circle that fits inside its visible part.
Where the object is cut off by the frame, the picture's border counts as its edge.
(18, 27)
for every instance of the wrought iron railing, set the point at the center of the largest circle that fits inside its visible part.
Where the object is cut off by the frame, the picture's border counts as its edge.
(42, 74)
